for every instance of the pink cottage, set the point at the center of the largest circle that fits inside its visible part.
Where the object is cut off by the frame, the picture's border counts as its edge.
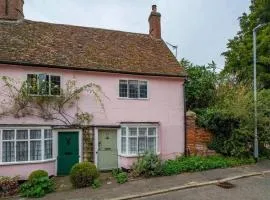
(141, 81)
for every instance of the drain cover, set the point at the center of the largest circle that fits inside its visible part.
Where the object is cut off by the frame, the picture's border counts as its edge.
(225, 185)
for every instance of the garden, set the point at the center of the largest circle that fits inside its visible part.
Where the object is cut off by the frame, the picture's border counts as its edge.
(86, 174)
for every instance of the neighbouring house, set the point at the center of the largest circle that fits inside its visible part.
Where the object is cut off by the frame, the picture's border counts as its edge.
(142, 96)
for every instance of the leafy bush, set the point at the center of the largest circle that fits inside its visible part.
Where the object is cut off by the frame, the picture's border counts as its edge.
(96, 184)
(147, 165)
(83, 174)
(37, 187)
(37, 174)
(122, 177)
(115, 172)
(8, 186)
(197, 163)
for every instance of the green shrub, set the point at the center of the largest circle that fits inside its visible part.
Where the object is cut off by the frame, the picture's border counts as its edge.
(96, 183)
(115, 172)
(8, 186)
(83, 174)
(37, 174)
(197, 163)
(122, 177)
(147, 165)
(37, 187)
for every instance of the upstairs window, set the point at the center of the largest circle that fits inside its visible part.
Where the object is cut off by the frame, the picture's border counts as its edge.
(43, 84)
(133, 89)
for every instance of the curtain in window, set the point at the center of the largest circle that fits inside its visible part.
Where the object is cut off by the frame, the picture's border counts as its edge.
(35, 150)
(22, 151)
(133, 89)
(48, 149)
(8, 154)
(142, 142)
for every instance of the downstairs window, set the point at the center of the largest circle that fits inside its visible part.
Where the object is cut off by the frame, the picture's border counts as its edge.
(137, 140)
(23, 145)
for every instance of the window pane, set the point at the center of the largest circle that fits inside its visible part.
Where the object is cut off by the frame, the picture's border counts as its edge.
(142, 131)
(48, 149)
(132, 131)
(35, 134)
(123, 131)
(8, 134)
(133, 89)
(35, 150)
(143, 89)
(132, 145)
(47, 133)
(55, 85)
(151, 131)
(32, 83)
(8, 152)
(152, 144)
(123, 145)
(22, 151)
(123, 88)
(22, 134)
(141, 144)
(43, 84)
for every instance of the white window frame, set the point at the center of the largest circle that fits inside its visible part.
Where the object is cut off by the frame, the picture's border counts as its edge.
(49, 91)
(127, 154)
(28, 139)
(139, 80)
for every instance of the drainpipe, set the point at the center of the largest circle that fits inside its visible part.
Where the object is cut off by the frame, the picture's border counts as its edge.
(185, 118)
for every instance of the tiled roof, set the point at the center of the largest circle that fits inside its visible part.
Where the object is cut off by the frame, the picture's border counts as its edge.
(67, 46)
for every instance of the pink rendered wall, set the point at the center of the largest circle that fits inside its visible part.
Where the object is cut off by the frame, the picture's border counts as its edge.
(24, 170)
(164, 105)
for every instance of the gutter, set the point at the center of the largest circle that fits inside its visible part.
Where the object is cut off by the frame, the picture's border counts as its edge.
(185, 119)
(86, 69)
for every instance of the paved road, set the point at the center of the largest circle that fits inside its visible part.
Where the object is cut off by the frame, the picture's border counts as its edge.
(252, 188)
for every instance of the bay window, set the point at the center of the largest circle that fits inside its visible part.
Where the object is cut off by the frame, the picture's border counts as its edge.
(138, 140)
(23, 145)
(133, 89)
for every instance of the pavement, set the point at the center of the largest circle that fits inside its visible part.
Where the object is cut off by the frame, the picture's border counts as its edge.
(159, 184)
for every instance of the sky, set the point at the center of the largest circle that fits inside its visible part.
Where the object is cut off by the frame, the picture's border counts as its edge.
(200, 28)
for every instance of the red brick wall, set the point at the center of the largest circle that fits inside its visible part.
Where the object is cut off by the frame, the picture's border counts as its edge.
(11, 9)
(196, 138)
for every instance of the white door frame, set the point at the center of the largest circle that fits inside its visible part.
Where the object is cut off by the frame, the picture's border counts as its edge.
(118, 134)
(55, 144)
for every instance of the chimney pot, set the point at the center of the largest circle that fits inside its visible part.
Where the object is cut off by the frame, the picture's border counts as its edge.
(154, 23)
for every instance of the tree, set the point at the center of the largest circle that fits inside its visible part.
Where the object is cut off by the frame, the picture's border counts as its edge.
(239, 57)
(200, 85)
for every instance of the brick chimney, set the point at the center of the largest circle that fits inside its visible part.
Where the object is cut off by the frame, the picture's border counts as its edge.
(11, 9)
(154, 23)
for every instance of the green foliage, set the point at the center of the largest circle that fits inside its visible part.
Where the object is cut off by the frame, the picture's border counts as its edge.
(115, 172)
(96, 184)
(239, 57)
(37, 174)
(121, 177)
(197, 163)
(200, 85)
(38, 187)
(83, 174)
(8, 186)
(147, 165)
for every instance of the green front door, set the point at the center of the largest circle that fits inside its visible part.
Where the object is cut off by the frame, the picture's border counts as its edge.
(107, 149)
(68, 151)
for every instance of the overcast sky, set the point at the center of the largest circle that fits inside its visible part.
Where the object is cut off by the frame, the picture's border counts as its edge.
(200, 28)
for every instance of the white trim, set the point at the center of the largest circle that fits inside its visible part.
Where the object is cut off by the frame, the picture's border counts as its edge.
(55, 144)
(29, 144)
(131, 79)
(137, 126)
(28, 162)
(96, 146)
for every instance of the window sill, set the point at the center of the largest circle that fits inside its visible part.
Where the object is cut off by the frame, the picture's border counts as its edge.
(133, 156)
(27, 162)
(139, 99)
